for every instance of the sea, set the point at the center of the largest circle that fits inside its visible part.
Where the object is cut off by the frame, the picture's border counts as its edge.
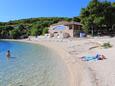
(31, 65)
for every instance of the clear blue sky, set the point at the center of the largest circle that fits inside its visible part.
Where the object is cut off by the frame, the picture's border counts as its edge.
(19, 9)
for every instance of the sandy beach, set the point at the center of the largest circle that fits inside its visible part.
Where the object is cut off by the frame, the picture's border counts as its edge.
(84, 73)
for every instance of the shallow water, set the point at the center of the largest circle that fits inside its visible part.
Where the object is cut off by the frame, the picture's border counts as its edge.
(31, 65)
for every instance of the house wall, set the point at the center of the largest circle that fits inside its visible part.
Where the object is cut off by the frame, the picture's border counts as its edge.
(68, 29)
(76, 30)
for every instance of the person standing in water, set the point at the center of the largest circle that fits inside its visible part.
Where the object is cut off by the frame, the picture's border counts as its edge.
(8, 55)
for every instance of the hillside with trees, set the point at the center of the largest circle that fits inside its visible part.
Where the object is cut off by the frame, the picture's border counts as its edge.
(98, 18)
(26, 27)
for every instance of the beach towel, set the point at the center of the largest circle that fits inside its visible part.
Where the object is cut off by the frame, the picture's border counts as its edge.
(90, 57)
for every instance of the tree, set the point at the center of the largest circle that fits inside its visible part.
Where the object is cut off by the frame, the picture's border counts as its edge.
(113, 4)
(14, 34)
(45, 30)
(96, 15)
(34, 30)
(76, 19)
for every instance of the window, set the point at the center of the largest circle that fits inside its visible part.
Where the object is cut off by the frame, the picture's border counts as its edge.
(60, 27)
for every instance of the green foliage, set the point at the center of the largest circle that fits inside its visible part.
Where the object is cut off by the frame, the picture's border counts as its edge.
(34, 31)
(45, 30)
(107, 45)
(96, 15)
(76, 19)
(99, 20)
(14, 33)
(113, 4)
(25, 27)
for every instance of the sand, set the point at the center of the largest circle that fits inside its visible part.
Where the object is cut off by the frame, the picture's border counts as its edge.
(83, 73)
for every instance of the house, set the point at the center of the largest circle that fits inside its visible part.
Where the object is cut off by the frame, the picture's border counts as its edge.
(64, 29)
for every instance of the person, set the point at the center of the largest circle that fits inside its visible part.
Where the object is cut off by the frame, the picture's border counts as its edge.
(100, 57)
(8, 55)
(90, 57)
(29, 39)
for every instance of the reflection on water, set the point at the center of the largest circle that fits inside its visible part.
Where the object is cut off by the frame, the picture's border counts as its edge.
(30, 65)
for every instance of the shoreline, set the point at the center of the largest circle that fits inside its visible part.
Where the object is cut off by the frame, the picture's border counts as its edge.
(83, 73)
(79, 74)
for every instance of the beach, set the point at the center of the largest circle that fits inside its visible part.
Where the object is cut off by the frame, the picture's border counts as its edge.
(83, 73)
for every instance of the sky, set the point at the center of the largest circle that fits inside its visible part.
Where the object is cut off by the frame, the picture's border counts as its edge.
(21, 9)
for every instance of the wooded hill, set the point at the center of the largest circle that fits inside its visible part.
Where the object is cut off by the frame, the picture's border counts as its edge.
(31, 26)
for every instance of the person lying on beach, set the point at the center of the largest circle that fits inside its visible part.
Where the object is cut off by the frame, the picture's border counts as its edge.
(90, 57)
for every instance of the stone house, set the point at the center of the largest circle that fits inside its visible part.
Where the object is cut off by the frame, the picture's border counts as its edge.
(64, 29)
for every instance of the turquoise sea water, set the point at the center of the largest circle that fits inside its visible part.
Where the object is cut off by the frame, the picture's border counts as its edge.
(31, 65)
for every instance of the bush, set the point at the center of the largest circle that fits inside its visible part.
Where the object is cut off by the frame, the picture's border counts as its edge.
(45, 30)
(107, 45)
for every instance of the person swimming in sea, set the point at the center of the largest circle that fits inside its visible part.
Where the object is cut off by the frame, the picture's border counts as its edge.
(8, 55)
